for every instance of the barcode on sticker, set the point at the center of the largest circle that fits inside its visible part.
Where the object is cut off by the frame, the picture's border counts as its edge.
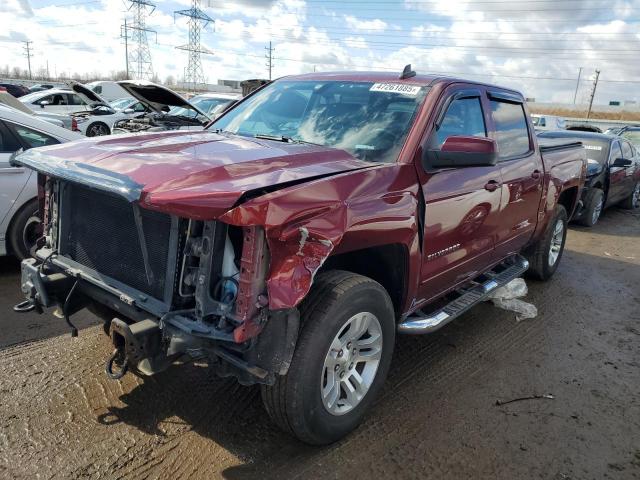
(412, 90)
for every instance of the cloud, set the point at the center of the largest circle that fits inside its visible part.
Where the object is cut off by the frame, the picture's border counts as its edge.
(376, 25)
(17, 7)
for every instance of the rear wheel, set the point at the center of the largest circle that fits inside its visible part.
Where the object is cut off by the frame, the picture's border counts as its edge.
(594, 204)
(544, 256)
(25, 230)
(633, 200)
(341, 359)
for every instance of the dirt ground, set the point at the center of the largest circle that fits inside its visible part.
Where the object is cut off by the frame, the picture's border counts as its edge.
(61, 417)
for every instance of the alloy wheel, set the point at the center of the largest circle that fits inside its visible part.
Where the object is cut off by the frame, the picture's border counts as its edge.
(597, 211)
(351, 363)
(635, 196)
(556, 242)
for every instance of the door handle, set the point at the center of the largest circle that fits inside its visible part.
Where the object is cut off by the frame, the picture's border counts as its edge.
(536, 174)
(492, 186)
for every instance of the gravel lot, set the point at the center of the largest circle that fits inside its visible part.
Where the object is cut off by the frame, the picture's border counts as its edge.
(62, 418)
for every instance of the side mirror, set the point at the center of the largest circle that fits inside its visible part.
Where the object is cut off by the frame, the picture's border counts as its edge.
(459, 151)
(622, 162)
(43, 103)
(128, 110)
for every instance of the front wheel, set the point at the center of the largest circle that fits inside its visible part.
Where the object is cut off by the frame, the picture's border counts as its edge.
(25, 230)
(341, 359)
(544, 256)
(97, 129)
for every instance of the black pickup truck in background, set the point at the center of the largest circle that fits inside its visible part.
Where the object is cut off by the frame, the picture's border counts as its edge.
(613, 173)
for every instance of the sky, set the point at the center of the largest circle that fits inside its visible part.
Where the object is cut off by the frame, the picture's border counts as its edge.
(535, 46)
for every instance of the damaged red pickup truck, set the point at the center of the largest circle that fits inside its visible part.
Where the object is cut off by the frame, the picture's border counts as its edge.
(290, 241)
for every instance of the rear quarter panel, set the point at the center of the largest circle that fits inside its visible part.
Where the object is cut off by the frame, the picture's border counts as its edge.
(564, 168)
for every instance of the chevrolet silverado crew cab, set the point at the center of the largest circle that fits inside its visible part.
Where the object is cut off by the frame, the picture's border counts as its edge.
(289, 243)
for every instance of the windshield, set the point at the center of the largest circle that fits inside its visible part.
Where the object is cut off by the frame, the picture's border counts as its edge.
(633, 136)
(34, 96)
(208, 105)
(368, 120)
(122, 103)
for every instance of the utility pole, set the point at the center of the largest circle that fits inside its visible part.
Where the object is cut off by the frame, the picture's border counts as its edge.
(269, 57)
(197, 21)
(593, 92)
(575, 96)
(28, 53)
(124, 33)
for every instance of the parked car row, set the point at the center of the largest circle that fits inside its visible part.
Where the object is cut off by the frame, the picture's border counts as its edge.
(19, 220)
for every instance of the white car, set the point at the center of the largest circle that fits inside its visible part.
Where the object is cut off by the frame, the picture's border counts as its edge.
(100, 118)
(54, 118)
(55, 100)
(167, 110)
(19, 222)
(213, 104)
(548, 122)
(107, 89)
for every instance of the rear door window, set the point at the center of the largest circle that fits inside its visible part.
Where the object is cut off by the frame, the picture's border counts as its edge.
(8, 142)
(512, 133)
(33, 138)
(627, 151)
(464, 117)
(616, 152)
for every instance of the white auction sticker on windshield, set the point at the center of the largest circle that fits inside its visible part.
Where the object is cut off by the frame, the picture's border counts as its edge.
(598, 148)
(412, 90)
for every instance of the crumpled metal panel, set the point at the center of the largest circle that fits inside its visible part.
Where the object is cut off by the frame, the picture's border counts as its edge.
(306, 223)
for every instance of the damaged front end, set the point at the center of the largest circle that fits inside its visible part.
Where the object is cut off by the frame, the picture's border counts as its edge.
(167, 287)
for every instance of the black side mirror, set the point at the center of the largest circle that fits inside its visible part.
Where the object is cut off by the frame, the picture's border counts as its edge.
(461, 151)
(622, 162)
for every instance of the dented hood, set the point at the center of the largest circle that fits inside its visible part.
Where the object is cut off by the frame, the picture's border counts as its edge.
(198, 175)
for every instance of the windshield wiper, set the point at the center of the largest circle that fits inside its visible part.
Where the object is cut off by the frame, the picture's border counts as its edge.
(283, 138)
(277, 138)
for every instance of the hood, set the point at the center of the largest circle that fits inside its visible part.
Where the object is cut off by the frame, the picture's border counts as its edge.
(88, 95)
(198, 175)
(158, 98)
(13, 102)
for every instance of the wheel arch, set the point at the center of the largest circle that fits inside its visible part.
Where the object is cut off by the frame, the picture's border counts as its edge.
(569, 200)
(386, 264)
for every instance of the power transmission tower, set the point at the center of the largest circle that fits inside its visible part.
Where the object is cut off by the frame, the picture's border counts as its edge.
(593, 92)
(269, 57)
(137, 51)
(28, 53)
(198, 20)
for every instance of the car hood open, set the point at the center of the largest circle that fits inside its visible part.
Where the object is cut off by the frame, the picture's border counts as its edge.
(158, 98)
(88, 95)
(198, 175)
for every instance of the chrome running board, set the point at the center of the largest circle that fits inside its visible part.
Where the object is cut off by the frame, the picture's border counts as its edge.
(419, 323)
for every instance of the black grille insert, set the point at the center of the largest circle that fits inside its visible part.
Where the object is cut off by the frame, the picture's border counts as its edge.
(99, 232)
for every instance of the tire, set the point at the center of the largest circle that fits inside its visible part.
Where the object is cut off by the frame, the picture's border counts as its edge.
(295, 402)
(542, 262)
(632, 201)
(98, 129)
(594, 205)
(24, 228)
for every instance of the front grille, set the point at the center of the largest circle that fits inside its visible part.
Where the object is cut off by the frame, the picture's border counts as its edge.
(99, 232)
